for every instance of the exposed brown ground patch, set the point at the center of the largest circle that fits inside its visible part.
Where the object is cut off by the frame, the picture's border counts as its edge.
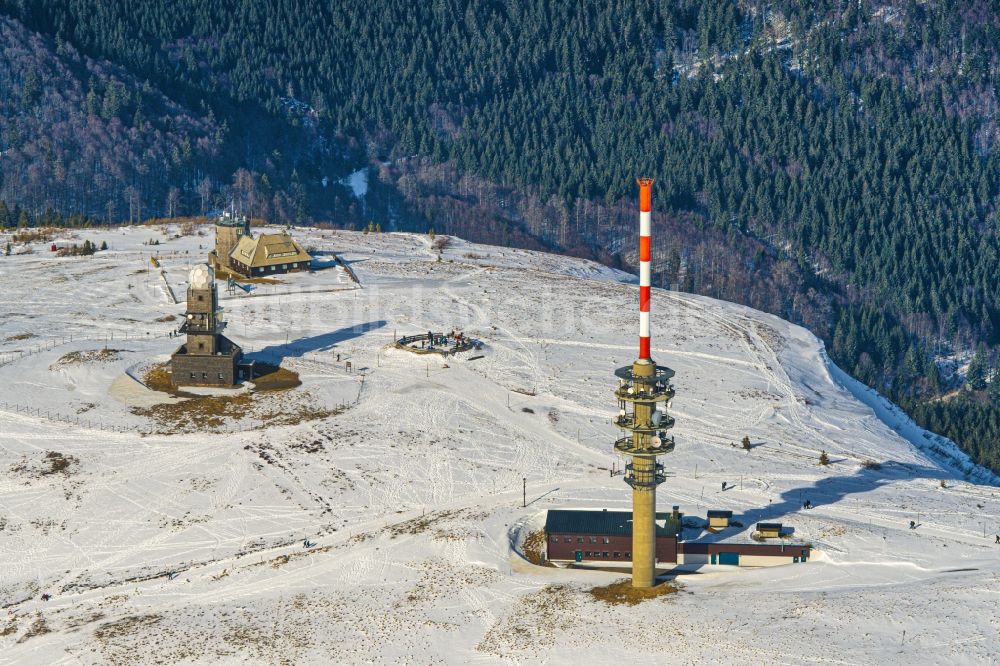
(534, 622)
(32, 236)
(211, 413)
(204, 411)
(57, 463)
(419, 525)
(37, 628)
(269, 405)
(274, 378)
(158, 378)
(534, 548)
(10, 628)
(125, 626)
(105, 355)
(622, 592)
(51, 462)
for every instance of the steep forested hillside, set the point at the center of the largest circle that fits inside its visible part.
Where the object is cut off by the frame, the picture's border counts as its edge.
(85, 135)
(836, 162)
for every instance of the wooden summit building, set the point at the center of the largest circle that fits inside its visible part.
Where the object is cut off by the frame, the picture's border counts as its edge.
(208, 358)
(237, 250)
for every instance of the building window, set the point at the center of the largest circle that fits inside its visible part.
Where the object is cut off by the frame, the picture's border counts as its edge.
(220, 376)
(204, 375)
(192, 375)
(605, 553)
(593, 539)
(201, 345)
(579, 539)
(617, 555)
(607, 540)
(628, 556)
(295, 265)
(200, 297)
(567, 540)
(555, 539)
(587, 553)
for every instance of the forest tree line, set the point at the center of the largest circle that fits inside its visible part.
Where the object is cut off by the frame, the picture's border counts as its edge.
(833, 162)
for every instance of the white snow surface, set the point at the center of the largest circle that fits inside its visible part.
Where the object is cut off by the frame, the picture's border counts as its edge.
(358, 182)
(186, 547)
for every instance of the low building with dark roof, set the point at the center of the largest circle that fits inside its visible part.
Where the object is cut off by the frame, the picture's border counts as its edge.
(592, 537)
(742, 553)
(604, 536)
(718, 519)
(769, 530)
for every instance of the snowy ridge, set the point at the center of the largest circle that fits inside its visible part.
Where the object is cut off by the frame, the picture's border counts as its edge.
(937, 445)
(382, 525)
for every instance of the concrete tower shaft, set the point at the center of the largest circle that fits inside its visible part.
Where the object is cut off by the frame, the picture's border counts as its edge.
(643, 386)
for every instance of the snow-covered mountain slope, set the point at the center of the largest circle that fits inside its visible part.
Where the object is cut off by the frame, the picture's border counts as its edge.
(160, 541)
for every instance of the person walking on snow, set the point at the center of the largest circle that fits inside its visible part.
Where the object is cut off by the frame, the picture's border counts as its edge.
(998, 539)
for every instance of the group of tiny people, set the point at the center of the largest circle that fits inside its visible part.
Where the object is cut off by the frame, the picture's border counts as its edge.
(442, 340)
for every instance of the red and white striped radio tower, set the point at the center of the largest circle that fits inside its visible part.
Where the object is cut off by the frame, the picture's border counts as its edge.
(642, 387)
(645, 250)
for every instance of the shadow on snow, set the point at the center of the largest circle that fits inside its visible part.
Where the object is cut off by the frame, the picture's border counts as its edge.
(323, 342)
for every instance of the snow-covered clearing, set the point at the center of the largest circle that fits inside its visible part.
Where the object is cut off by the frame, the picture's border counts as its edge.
(186, 546)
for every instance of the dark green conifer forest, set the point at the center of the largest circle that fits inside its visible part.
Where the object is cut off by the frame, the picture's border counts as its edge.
(836, 162)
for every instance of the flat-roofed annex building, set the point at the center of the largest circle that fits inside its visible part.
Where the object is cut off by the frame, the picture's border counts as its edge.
(268, 254)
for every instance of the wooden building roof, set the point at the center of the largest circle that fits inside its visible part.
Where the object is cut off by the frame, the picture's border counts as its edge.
(269, 250)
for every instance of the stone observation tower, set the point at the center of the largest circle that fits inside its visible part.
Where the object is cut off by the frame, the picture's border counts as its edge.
(644, 393)
(208, 358)
(229, 228)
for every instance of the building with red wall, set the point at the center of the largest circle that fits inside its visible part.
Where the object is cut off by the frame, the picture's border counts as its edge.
(604, 536)
(592, 537)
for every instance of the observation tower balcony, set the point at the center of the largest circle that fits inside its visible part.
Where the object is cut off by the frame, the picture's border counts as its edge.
(202, 326)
